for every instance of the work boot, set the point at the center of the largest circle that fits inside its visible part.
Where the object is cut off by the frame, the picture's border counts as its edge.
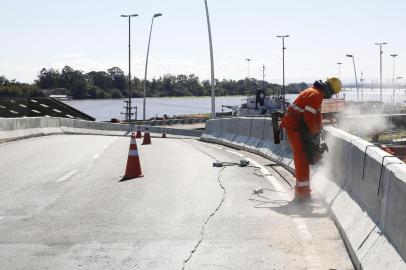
(302, 196)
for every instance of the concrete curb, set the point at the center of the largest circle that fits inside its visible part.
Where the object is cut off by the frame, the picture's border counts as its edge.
(365, 190)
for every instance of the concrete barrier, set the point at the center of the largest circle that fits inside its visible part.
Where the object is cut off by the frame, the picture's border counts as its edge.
(363, 186)
(268, 140)
(12, 129)
(366, 190)
(393, 216)
(230, 131)
(275, 152)
(243, 132)
(212, 130)
(222, 131)
(257, 135)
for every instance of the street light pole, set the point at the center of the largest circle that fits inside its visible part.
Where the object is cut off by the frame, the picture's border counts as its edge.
(283, 68)
(393, 79)
(248, 62)
(248, 74)
(129, 64)
(213, 93)
(380, 67)
(398, 84)
(339, 70)
(146, 67)
(355, 72)
(362, 86)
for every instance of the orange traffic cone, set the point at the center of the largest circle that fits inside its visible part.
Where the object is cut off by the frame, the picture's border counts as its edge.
(147, 137)
(133, 169)
(138, 136)
(164, 134)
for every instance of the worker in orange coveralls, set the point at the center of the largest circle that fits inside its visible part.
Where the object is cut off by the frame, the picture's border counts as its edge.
(303, 124)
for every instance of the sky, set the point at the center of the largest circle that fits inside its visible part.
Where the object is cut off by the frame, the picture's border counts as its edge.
(90, 35)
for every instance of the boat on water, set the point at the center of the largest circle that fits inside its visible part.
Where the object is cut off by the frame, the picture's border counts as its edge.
(266, 105)
(61, 97)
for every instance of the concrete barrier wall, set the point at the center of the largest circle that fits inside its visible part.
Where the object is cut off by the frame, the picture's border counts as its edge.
(243, 132)
(212, 130)
(230, 131)
(256, 135)
(12, 129)
(364, 187)
(20, 128)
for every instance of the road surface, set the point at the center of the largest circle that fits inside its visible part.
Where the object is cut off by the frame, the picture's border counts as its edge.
(62, 207)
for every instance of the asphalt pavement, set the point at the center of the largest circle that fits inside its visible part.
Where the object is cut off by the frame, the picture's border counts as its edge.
(62, 206)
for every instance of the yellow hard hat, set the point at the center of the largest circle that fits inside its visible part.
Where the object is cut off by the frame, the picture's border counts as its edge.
(335, 84)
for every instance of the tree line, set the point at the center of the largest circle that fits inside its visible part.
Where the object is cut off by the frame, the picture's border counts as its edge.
(113, 83)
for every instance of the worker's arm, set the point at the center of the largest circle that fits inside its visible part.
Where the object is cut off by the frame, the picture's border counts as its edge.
(312, 116)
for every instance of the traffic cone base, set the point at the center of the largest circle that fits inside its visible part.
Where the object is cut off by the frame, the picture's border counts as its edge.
(138, 135)
(133, 168)
(147, 137)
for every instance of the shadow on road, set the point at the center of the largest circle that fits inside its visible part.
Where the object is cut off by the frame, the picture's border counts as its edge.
(306, 209)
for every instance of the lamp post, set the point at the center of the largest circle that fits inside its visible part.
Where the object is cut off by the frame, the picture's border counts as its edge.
(398, 84)
(362, 86)
(393, 79)
(129, 16)
(339, 70)
(248, 74)
(283, 68)
(398, 78)
(213, 102)
(380, 67)
(248, 64)
(146, 67)
(355, 72)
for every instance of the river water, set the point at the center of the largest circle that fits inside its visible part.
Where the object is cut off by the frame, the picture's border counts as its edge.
(106, 109)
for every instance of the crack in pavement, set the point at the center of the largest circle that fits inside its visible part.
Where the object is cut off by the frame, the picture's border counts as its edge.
(207, 220)
(212, 214)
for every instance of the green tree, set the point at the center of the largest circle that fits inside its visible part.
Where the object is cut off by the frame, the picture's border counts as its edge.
(119, 80)
(48, 79)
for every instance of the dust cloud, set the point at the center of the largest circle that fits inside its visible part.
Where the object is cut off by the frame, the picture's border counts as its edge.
(355, 121)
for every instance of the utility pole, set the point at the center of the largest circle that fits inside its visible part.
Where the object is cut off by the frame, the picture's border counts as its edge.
(263, 77)
(129, 64)
(283, 69)
(380, 68)
(213, 92)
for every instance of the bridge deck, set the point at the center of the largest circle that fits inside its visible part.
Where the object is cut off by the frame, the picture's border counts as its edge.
(62, 207)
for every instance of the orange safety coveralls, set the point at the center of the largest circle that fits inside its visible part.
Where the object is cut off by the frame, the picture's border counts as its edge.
(308, 106)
